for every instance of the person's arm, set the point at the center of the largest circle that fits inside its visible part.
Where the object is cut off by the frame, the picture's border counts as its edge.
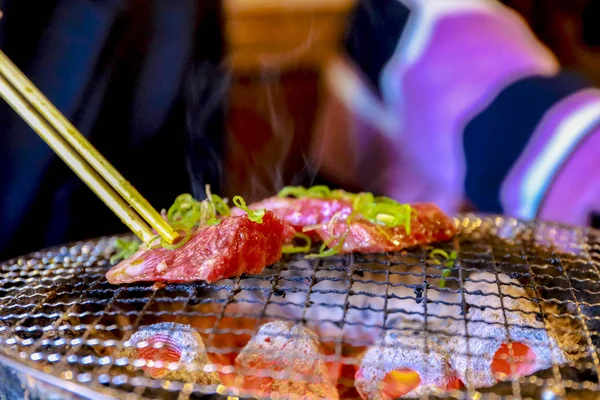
(556, 175)
(460, 103)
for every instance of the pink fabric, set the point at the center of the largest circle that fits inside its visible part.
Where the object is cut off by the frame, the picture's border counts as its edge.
(512, 187)
(470, 59)
(575, 191)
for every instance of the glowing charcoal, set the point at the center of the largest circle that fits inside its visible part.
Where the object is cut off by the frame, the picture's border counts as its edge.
(171, 351)
(486, 357)
(284, 360)
(405, 363)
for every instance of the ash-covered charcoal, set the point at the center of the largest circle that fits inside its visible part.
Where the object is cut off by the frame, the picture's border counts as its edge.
(405, 362)
(355, 311)
(353, 308)
(165, 345)
(576, 287)
(326, 313)
(285, 360)
(486, 355)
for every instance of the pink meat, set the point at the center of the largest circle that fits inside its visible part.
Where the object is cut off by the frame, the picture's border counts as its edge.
(428, 225)
(233, 247)
(304, 211)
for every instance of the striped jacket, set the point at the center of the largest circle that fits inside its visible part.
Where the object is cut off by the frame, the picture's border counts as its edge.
(456, 100)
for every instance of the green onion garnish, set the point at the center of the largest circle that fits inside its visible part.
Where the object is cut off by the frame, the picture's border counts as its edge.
(325, 252)
(448, 261)
(253, 215)
(289, 249)
(379, 210)
(445, 274)
(220, 206)
(319, 191)
(185, 212)
(441, 252)
(125, 248)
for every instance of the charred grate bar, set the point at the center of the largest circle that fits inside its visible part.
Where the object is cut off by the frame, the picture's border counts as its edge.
(511, 284)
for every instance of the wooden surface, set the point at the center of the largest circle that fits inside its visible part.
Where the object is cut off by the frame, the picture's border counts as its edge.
(277, 49)
(282, 34)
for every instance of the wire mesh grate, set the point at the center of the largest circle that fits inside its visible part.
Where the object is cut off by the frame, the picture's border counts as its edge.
(516, 315)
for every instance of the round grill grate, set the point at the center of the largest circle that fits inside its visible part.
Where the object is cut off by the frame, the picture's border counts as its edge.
(64, 328)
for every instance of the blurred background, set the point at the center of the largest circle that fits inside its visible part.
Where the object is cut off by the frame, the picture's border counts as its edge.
(185, 93)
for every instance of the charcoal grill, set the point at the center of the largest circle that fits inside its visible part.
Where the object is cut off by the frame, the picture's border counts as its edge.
(63, 326)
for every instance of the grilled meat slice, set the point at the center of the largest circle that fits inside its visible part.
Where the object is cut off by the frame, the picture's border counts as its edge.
(328, 217)
(303, 212)
(429, 224)
(233, 247)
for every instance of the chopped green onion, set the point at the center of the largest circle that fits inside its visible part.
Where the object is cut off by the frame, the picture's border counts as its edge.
(289, 249)
(253, 215)
(325, 252)
(294, 191)
(216, 207)
(125, 248)
(319, 191)
(445, 274)
(185, 212)
(220, 206)
(309, 228)
(378, 210)
(441, 252)
(449, 260)
(383, 211)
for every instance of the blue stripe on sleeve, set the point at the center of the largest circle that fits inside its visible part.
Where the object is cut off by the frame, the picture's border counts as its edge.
(495, 138)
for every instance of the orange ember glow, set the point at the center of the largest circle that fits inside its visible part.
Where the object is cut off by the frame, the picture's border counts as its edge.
(168, 353)
(397, 383)
(454, 383)
(523, 361)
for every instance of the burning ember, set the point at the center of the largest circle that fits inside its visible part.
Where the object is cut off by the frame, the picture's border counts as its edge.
(171, 351)
(495, 323)
(285, 359)
(405, 363)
